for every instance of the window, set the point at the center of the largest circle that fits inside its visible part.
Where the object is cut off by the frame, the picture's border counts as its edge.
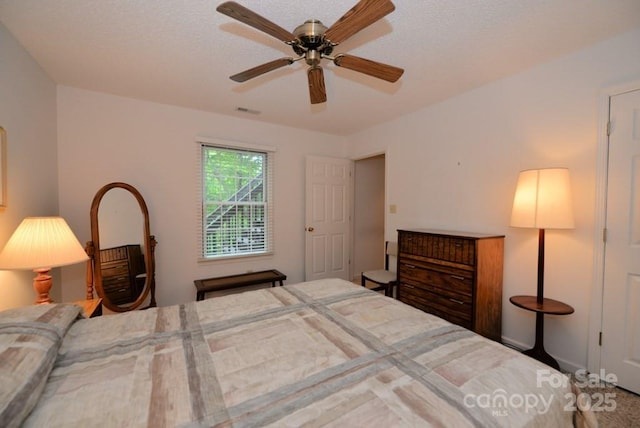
(236, 201)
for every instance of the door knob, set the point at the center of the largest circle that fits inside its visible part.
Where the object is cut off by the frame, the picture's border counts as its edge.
(310, 229)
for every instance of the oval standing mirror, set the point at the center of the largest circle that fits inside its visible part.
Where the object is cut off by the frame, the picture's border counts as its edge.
(122, 264)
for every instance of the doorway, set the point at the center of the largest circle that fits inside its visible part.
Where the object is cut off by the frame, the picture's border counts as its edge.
(621, 294)
(614, 348)
(369, 213)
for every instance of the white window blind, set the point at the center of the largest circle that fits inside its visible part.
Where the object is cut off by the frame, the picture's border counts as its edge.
(236, 215)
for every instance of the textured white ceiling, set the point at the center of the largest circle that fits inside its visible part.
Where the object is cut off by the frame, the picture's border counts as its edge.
(182, 52)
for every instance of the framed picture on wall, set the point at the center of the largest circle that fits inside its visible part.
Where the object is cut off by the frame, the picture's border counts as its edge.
(3, 168)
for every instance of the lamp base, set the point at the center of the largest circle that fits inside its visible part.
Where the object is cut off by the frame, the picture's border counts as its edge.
(42, 284)
(541, 355)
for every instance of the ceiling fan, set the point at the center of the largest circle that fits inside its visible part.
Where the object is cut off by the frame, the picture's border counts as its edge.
(312, 41)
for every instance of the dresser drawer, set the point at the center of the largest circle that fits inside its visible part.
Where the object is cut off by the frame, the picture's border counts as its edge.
(447, 248)
(118, 291)
(119, 295)
(450, 309)
(448, 294)
(117, 269)
(115, 281)
(455, 281)
(117, 288)
(111, 254)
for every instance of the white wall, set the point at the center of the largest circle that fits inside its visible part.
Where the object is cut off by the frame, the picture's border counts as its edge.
(104, 138)
(454, 165)
(28, 114)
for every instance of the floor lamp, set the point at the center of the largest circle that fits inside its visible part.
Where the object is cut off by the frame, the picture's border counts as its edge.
(542, 201)
(42, 243)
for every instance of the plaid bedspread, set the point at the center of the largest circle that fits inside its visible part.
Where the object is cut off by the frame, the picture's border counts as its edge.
(322, 353)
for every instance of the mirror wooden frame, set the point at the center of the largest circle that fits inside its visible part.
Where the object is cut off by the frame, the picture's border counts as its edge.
(94, 272)
(3, 168)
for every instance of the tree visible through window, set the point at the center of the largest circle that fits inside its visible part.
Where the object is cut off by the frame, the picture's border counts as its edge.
(236, 202)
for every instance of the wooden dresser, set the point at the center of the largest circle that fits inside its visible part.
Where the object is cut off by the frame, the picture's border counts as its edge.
(121, 267)
(454, 275)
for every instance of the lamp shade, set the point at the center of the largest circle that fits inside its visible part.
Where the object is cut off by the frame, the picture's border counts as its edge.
(543, 199)
(42, 242)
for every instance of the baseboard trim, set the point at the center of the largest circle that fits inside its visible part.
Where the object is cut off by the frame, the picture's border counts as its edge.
(565, 366)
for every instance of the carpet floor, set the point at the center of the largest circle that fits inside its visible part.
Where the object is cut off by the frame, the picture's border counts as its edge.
(614, 407)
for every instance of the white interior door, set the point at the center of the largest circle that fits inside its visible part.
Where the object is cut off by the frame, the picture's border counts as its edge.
(620, 352)
(328, 224)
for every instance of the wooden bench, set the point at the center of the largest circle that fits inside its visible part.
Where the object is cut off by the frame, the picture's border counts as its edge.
(235, 281)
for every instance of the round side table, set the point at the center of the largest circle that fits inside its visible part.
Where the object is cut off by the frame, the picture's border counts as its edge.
(541, 307)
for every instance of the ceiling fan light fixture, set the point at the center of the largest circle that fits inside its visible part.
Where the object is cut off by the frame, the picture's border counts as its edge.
(311, 33)
(313, 41)
(313, 57)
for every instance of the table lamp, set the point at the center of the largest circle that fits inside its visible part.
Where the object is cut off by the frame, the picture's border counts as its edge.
(42, 243)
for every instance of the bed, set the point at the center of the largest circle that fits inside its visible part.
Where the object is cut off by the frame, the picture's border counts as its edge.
(319, 353)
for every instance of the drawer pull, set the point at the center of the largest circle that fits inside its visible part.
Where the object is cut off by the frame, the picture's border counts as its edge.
(460, 302)
(122, 290)
(410, 266)
(408, 286)
(458, 277)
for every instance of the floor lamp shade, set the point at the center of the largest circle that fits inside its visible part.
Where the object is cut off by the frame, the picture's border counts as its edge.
(543, 199)
(42, 243)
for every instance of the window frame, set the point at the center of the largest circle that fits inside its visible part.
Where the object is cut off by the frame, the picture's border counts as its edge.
(202, 144)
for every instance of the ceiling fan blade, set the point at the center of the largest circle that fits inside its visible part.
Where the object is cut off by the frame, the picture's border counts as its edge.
(317, 90)
(363, 14)
(244, 15)
(366, 66)
(261, 69)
